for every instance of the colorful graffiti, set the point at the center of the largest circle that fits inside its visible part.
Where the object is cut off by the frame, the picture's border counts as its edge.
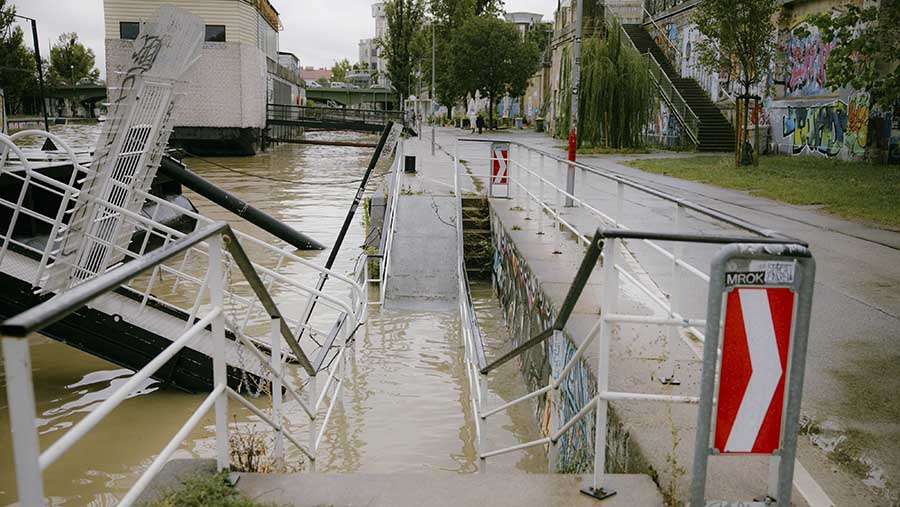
(806, 58)
(528, 311)
(828, 129)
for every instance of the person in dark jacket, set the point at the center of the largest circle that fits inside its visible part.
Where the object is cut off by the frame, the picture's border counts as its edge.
(480, 123)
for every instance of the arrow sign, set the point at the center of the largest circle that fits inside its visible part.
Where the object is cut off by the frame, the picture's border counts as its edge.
(500, 162)
(755, 343)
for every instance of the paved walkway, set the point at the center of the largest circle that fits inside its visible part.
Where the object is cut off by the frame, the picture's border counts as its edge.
(851, 368)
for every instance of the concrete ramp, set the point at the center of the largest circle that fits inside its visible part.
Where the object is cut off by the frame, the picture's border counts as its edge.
(423, 257)
(445, 490)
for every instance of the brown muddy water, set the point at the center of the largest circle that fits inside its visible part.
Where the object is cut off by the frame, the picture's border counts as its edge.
(405, 404)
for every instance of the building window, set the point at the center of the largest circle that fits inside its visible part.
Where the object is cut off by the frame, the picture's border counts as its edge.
(215, 33)
(129, 30)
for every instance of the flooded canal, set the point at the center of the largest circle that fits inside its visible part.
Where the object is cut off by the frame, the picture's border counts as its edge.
(405, 404)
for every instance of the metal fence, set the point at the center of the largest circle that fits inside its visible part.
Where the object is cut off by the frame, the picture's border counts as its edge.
(219, 279)
(666, 266)
(291, 113)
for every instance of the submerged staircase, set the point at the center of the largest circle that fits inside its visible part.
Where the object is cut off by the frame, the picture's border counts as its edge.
(715, 132)
(477, 246)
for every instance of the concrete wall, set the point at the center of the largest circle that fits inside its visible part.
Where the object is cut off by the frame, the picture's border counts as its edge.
(801, 116)
(226, 87)
(528, 310)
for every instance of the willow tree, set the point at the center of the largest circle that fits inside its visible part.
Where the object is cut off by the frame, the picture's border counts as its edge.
(564, 99)
(616, 94)
(404, 20)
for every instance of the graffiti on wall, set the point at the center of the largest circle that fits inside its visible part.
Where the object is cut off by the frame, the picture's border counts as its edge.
(806, 58)
(528, 311)
(828, 129)
(664, 127)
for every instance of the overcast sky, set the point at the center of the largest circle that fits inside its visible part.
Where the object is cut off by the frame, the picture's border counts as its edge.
(317, 31)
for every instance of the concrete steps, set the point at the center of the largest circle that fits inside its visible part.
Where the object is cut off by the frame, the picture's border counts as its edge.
(477, 245)
(443, 489)
(716, 132)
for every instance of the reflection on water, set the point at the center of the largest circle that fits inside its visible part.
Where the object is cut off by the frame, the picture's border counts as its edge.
(405, 404)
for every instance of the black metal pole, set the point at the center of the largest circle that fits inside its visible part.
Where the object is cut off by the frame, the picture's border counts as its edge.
(40, 68)
(347, 221)
(178, 172)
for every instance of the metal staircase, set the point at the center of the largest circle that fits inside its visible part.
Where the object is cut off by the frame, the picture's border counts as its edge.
(713, 131)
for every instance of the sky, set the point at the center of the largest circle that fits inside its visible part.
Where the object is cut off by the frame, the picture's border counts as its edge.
(317, 31)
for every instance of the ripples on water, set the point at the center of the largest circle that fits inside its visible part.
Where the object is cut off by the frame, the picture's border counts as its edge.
(405, 404)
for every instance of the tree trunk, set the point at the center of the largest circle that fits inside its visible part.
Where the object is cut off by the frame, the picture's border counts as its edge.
(490, 112)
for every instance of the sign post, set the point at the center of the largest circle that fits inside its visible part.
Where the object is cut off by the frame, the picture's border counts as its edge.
(499, 168)
(758, 309)
(2, 112)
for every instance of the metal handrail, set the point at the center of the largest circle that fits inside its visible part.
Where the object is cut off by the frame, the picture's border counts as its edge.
(672, 96)
(683, 111)
(660, 30)
(699, 208)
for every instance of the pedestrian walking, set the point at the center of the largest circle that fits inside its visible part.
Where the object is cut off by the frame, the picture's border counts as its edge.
(480, 123)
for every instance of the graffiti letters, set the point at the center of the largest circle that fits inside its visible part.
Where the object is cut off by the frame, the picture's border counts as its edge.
(806, 62)
(828, 129)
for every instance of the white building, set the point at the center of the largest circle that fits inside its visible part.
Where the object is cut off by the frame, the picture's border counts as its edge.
(523, 20)
(369, 54)
(229, 86)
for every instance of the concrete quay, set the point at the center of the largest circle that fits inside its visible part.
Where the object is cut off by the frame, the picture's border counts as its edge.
(640, 351)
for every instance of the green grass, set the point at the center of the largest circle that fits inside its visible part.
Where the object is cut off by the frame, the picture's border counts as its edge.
(204, 490)
(850, 189)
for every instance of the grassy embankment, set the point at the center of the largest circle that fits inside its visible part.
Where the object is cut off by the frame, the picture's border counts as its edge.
(856, 190)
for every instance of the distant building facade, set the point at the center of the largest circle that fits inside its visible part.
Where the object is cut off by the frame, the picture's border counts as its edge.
(237, 74)
(370, 56)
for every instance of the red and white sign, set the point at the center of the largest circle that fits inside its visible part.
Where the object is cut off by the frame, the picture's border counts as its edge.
(499, 163)
(755, 343)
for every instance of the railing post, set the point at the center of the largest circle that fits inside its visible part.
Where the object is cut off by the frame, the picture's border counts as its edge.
(608, 307)
(216, 295)
(26, 448)
(620, 203)
(313, 431)
(668, 376)
(528, 192)
(275, 344)
(540, 209)
(554, 405)
(570, 183)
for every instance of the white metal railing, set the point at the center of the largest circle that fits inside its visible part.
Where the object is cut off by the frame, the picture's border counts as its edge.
(390, 215)
(474, 357)
(284, 273)
(532, 185)
(202, 267)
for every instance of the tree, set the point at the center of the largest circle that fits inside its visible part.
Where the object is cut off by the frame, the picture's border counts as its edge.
(18, 72)
(491, 57)
(616, 92)
(404, 20)
(71, 60)
(739, 40)
(866, 58)
(340, 69)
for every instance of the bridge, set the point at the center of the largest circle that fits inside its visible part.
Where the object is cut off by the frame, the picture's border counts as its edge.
(284, 120)
(87, 95)
(355, 96)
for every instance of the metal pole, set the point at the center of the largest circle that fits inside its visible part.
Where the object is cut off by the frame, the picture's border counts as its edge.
(432, 88)
(275, 344)
(608, 303)
(576, 79)
(26, 449)
(216, 296)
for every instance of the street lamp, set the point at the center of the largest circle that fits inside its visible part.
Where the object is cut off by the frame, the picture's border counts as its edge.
(573, 128)
(48, 144)
(431, 95)
(74, 87)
